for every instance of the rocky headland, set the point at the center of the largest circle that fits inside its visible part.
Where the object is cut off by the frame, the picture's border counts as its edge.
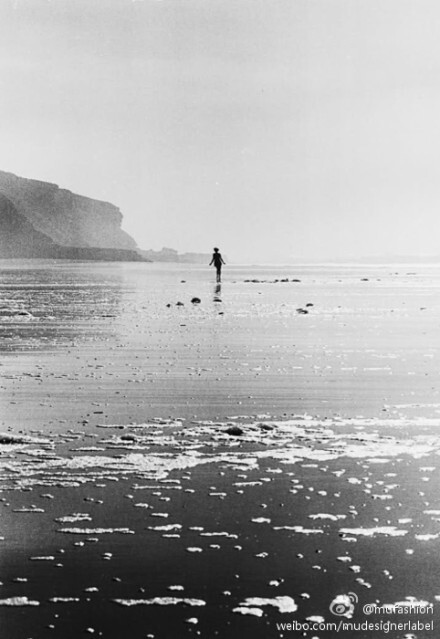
(171, 255)
(41, 220)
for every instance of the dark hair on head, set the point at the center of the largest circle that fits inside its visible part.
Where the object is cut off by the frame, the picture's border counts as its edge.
(215, 248)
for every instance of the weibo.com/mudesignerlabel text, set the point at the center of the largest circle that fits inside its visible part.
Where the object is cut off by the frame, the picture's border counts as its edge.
(352, 626)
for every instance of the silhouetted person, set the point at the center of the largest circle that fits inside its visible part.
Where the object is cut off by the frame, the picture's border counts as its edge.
(217, 260)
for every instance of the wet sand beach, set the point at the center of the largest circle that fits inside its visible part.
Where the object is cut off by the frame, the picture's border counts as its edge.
(216, 469)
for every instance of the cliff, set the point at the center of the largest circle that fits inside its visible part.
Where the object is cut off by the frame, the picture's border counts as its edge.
(38, 219)
(18, 238)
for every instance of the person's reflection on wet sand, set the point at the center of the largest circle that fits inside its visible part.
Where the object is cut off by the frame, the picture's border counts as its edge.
(217, 293)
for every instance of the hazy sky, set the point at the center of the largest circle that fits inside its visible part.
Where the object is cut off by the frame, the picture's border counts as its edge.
(269, 128)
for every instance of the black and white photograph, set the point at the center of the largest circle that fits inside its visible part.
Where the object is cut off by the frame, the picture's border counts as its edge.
(219, 319)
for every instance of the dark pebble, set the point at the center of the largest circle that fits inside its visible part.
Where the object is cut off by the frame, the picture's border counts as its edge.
(235, 431)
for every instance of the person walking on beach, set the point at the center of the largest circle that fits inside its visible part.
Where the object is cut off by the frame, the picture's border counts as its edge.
(217, 260)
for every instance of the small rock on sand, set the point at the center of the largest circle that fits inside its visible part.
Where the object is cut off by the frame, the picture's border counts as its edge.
(236, 431)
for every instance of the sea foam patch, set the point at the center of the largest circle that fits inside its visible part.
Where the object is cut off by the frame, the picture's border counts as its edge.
(391, 531)
(18, 601)
(287, 442)
(284, 604)
(161, 601)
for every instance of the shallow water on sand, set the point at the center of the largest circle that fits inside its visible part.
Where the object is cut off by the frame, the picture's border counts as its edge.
(163, 462)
